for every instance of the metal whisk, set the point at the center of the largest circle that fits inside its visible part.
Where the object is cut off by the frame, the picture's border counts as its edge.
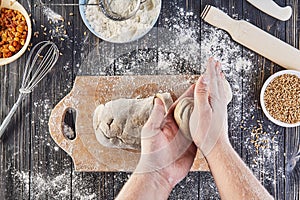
(42, 58)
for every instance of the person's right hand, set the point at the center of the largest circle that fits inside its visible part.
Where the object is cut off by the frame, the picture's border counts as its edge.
(208, 121)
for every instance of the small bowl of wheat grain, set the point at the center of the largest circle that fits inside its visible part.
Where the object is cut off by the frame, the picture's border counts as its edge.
(280, 98)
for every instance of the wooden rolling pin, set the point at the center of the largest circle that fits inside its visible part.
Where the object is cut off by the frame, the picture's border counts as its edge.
(254, 38)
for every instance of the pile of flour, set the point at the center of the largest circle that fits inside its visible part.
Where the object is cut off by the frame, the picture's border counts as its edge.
(123, 31)
(123, 8)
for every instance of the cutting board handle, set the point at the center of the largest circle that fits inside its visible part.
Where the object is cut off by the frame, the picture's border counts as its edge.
(83, 160)
(56, 124)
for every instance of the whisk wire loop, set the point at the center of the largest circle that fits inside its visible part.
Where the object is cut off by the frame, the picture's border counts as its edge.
(41, 59)
(41, 64)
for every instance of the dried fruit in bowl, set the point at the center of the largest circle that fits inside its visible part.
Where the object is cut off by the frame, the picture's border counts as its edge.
(13, 32)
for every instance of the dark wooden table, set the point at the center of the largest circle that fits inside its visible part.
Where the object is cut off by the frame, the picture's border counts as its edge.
(34, 167)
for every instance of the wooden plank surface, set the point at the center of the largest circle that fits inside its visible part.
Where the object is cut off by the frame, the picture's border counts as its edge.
(32, 166)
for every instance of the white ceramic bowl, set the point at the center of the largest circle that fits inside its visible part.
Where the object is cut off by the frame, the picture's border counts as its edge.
(271, 78)
(82, 8)
(13, 4)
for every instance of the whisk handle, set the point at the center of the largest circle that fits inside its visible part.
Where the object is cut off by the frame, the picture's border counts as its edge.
(10, 114)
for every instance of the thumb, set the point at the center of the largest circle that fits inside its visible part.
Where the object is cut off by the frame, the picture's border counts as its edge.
(157, 115)
(201, 91)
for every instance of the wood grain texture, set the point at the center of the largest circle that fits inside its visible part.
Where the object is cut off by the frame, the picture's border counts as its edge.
(32, 166)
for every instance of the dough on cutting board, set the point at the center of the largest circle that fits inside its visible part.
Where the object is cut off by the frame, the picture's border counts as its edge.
(119, 122)
(185, 106)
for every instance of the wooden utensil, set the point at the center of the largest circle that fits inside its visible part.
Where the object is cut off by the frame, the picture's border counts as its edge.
(90, 91)
(254, 38)
(272, 9)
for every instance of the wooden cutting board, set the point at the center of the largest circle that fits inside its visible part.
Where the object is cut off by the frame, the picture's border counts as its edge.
(90, 91)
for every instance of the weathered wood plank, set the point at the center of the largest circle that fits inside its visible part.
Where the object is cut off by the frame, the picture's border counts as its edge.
(30, 159)
(264, 161)
(292, 136)
(15, 144)
(51, 168)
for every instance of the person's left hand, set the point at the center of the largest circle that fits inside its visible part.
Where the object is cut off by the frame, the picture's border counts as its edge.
(164, 149)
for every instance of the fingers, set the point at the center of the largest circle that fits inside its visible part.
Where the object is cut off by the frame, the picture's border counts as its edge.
(188, 93)
(158, 111)
(213, 72)
(211, 68)
(201, 92)
(157, 115)
(153, 125)
(217, 89)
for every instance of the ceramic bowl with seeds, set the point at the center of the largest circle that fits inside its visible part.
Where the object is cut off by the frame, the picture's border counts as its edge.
(15, 31)
(280, 98)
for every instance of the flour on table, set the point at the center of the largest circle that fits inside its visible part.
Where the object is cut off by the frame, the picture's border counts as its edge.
(183, 47)
(38, 186)
(123, 31)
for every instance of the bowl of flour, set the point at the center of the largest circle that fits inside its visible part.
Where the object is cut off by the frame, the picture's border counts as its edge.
(119, 31)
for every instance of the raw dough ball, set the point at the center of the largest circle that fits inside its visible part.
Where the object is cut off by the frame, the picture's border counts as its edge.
(184, 109)
(118, 123)
(182, 113)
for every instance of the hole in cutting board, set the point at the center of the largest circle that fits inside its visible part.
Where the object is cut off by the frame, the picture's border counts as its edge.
(68, 125)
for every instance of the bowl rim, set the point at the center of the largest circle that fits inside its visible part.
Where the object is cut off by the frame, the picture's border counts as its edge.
(11, 4)
(87, 24)
(267, 82)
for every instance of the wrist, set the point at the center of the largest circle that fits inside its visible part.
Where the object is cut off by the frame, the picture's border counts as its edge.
(221, 147)
(155, 181)
(212, 144)
(145, 186)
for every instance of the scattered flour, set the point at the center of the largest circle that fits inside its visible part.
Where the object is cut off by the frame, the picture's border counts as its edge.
(123, 31)
(183, 48)
(56, 187)
(51, 15)
(68, 131)
(45, 106)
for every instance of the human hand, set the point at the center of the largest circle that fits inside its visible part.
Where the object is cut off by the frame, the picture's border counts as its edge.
(208, 121)
(164, 149)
